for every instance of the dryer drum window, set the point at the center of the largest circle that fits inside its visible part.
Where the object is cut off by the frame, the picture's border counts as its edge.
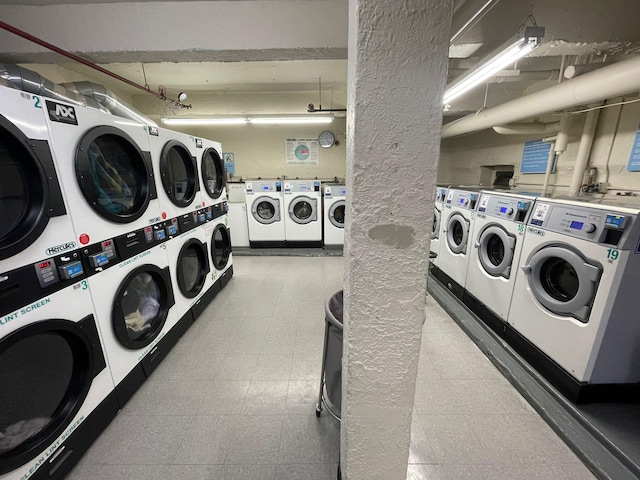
(337, 214)
(213, 173)
(220, 247)
(559, 279)
(302, 210)
(457, 233)
(141, 306)
(178, 172)
(29, 190)
(193, 267)
(495, 250)
(47, 371)
(265, 210)
(113, 174)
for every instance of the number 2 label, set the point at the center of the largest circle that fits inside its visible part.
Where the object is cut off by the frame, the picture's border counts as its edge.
(37, 99)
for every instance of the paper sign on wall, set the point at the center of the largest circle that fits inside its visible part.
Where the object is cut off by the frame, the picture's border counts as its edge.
(535, 156)
(634, 158)
(229, 163)
(302, 152)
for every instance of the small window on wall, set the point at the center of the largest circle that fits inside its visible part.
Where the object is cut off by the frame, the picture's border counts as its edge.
(496, 175)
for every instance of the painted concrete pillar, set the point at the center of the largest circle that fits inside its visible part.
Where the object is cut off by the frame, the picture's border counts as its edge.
(397, 71)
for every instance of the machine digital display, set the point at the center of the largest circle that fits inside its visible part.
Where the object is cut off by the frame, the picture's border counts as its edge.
(615, 221)
(503, 209)
(343, 192)
(44, 264)
(303, 187)
(576, 225)
(462, 200)
(73, 269)
(266, 187)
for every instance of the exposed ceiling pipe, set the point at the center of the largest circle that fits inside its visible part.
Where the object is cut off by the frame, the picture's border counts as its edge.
(615, 80)
(574, 70)
(584, 151)
(528, 128)
(558, 148)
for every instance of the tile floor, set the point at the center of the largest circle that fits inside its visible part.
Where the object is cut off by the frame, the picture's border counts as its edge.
(235, 399)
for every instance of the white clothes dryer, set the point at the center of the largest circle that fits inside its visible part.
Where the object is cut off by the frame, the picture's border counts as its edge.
(302, 219)
(213, 175)
(219, 241)
(34, 219)
(56, 390)
(334, 206)
(106, 171)
(265, 213)
(458, 213)
(497, 237)
(572, 310)
(436, 229)
(174, 163)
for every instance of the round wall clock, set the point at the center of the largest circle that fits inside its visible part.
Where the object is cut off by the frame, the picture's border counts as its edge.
(326, 139)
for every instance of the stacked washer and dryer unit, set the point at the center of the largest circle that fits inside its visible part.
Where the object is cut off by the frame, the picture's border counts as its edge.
(56, 387)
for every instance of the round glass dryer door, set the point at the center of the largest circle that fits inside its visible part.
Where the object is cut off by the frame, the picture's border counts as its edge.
(563, 281)
(435, 229)
(114, 176)
(178, 173)
(29, 189)
(495, 251)
(457, 233)
(220, 247)
(193, 267)
(266, 210)
(141, 306)
(337, 214)
(303, 210)
(213, 173)
(47, 371)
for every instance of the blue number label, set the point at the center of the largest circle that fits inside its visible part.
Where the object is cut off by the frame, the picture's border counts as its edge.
(37, 99)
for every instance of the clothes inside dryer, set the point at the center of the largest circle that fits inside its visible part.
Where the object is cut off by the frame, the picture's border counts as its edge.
(266, 210)
(141, 304)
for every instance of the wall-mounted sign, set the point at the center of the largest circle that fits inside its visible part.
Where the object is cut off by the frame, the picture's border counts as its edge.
(302, 152)
(535, 156)
(634, 158)
(229, 163)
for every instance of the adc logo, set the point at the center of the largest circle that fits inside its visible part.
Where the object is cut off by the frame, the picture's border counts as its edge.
(61, 113)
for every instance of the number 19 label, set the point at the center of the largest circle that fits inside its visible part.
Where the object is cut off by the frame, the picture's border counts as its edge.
(613, 254)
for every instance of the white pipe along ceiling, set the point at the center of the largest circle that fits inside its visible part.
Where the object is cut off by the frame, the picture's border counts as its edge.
(584, 151)
(615, 80)
(528, 128)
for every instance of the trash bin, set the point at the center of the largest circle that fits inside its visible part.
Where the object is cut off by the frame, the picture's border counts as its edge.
(330, 394)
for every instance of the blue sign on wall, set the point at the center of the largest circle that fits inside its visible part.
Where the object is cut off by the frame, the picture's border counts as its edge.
(535, 157)
(634, 158)
(229, 163)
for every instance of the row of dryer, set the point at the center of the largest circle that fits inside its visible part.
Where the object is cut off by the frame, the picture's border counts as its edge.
(295, 213)
(113, 239)
(556, 277)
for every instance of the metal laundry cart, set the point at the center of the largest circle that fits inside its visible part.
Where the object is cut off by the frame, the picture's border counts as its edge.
(330, 394)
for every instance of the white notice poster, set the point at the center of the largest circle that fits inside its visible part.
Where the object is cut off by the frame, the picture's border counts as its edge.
(302, 152)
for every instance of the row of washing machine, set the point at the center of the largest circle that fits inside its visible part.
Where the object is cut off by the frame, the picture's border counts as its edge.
(295, 213)
(556, 277)
(113, 239)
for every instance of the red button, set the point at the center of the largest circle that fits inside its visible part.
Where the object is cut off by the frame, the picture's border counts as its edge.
(164, 215)
(84, 239)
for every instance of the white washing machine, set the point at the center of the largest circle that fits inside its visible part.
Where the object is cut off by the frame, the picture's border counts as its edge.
(106, 171)
(302, 218)
(458, 214)
(436, 229)
(56, 390)
(135, 305)
(265, 213)
(334, 207)
(174, 163)
(573, 309)
(496, 239)
(34, 219)
(213, 175)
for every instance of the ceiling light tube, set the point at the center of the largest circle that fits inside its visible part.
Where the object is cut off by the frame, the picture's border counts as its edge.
(290, 120)
(494, 63)
(205, 121)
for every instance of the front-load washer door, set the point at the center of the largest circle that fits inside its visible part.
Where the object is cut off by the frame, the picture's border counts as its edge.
(220, 247)
(178, 171)
(457, 233)
(192, 267)
(114, 175)
(435, 229)
(303, 210)
(495, 251)
(47, 370)
(563, 281)
(29, 189)
(213, 173)
(266, 210)
(141, 306)
(337, 214)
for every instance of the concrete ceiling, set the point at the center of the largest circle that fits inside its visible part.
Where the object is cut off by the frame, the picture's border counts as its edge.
(211, 48)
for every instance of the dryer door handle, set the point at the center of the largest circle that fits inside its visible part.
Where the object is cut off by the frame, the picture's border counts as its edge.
(477, 244)
(526, 269)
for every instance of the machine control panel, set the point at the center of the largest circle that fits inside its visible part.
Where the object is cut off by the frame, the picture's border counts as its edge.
(98, 259)
(262, 186)
(172, 227)
(301, 186)
(331, 191)
(598, 226)
(47, 273)
(70, 270)
(462, 199)
(510, 208)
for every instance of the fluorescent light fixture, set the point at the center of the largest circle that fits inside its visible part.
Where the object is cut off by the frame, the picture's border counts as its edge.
(284, 120)
(495, 62)
(290, 120)
(204, 121)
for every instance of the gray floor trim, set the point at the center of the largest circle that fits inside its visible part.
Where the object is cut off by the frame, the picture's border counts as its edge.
(593, 448)
(287, 252)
